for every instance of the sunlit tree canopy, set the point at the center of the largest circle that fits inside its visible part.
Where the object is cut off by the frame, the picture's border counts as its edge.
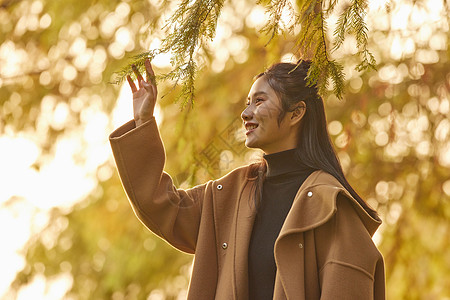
(67, 227)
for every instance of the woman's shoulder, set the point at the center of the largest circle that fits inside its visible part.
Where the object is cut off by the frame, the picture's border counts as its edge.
(323, 195)
(321, 177)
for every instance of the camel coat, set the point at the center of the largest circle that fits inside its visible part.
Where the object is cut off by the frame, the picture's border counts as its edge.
(324, 250)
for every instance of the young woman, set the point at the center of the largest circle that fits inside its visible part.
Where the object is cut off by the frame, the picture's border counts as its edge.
(288, 227)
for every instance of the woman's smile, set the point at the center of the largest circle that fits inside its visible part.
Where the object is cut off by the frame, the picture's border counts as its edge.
(250, 127)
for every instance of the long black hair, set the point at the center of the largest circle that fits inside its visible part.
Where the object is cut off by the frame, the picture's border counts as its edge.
(314, 146)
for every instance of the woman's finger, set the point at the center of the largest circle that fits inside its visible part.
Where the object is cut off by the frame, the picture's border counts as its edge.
(155, 90)
(147, 86)
(146, 63)
(138, 75)
(131, 83)
(150, 73)
(151, 89)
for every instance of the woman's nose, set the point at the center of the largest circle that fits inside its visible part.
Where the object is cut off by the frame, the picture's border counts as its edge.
(246, 114)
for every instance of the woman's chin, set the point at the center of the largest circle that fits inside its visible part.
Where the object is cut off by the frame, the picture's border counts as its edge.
(250, 144)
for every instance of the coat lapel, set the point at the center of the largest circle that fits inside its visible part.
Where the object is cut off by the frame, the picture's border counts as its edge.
(307, 212)
(245, 216)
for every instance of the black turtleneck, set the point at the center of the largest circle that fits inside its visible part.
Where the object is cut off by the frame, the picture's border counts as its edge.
(285, 174)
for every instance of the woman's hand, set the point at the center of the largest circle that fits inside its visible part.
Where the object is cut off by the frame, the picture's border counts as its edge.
(144, 98)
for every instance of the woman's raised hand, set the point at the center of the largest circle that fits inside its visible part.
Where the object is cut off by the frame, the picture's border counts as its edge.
(144, 98)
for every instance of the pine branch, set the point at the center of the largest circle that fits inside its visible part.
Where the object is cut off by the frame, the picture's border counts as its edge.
(194, 24)
(351, 22)
(198, 23)
(357, 23)
(138, 61)
(367, 61)
(190, 26)
(275, 11)
(321, 57)
(340, 30)
(313, 38)
(332, 4)
(336, 72)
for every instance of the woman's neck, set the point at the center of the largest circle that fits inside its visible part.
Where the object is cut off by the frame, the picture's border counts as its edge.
(282, 162)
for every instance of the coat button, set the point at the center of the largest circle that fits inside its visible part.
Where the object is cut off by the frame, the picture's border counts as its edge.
(300, 245)
(224, 246)
(219, 187)
(309, 194)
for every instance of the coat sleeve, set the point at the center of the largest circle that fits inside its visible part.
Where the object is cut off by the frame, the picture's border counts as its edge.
(350, 265)
(171, 213)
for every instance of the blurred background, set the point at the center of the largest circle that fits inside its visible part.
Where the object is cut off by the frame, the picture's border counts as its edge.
(66, 228)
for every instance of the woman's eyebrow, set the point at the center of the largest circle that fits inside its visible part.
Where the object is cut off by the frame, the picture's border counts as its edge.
(258, 94)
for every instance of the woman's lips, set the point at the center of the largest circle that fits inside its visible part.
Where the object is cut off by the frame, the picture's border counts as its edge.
(250, 127)
(249, 131)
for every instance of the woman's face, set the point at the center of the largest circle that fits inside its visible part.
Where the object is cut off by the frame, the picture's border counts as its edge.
(260, 120)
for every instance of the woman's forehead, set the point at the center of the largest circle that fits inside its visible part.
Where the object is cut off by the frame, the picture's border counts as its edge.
(261, 87)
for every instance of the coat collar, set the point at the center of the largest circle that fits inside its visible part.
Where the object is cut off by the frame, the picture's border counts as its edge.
(306, 213)
(315, 203)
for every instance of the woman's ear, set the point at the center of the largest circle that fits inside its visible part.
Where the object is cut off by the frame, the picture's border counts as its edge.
(298, 112)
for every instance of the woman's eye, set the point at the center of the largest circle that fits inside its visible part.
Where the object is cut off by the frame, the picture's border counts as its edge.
(256, 101)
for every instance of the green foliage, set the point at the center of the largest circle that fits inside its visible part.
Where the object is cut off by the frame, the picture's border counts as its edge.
(191, 25)
(275, 10)
(351, 21)
(194, 23)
